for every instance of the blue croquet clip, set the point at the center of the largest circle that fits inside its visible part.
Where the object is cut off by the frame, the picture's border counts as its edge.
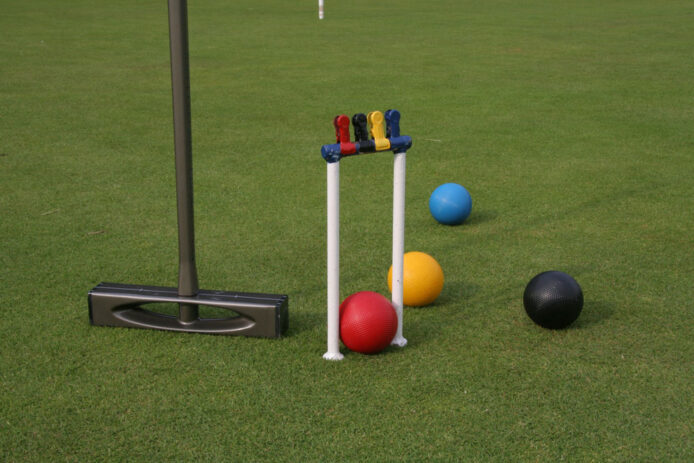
(392, 123)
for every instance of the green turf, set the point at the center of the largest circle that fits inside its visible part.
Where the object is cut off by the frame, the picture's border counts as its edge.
(570, 123)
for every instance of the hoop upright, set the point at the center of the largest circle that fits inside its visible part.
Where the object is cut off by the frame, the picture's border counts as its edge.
(398, 242)
(333, 352)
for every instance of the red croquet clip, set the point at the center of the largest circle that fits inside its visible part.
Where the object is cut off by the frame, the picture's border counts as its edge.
(341, 124)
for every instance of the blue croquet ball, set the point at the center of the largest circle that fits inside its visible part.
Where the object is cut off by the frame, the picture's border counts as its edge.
(450, 204)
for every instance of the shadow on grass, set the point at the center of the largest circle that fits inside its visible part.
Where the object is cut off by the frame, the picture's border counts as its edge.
(303, 321)
(477, 218)
(456, 292)
(593, 313)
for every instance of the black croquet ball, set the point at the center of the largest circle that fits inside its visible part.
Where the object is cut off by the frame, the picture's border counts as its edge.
(553, 299)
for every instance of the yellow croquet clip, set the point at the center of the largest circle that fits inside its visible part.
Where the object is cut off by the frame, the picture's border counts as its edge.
(377, 128)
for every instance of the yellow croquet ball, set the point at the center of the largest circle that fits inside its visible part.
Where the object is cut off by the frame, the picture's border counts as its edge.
(422, 279)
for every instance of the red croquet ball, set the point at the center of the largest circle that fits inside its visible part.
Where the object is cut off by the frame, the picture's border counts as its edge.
(368, 322)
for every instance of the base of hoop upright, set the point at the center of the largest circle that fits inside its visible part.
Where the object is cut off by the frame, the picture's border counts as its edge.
(333, 356)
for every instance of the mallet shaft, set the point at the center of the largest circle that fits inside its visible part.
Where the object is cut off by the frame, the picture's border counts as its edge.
(180, 83)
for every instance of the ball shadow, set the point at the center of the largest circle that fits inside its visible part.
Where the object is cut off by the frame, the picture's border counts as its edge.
(455, 291)
(594, 313)
(477, 218)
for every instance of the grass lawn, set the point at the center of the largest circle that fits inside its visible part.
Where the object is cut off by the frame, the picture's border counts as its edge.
(570, 124)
